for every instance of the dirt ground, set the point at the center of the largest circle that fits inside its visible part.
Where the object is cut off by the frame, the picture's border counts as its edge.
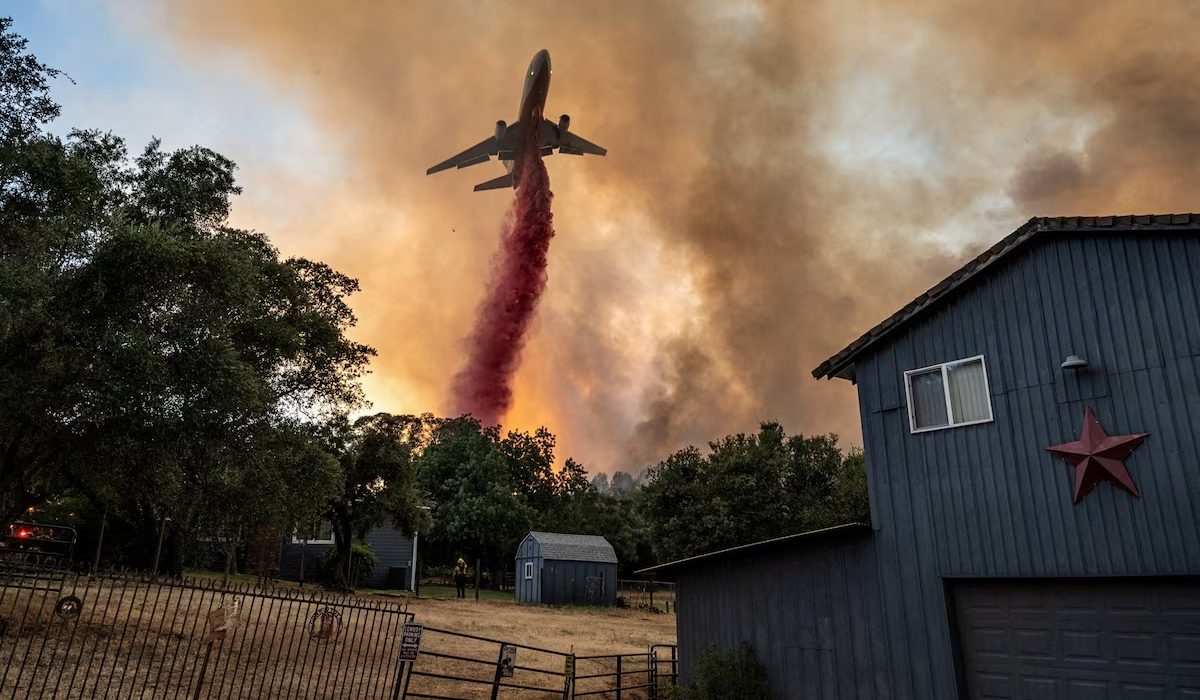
(449, 648)
(588, 630)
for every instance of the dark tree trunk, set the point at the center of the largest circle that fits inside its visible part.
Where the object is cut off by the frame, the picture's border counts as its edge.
(343, 541)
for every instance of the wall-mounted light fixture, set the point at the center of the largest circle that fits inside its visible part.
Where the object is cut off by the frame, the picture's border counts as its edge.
(1074, 362)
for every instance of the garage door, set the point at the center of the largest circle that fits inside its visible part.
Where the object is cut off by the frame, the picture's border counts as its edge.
(1137, 639)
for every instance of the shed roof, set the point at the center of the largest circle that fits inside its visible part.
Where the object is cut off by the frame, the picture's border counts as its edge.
(825, 532)
(842, 364)
(563, 547)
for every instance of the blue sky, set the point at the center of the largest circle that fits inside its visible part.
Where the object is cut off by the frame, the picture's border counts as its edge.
(130, 78)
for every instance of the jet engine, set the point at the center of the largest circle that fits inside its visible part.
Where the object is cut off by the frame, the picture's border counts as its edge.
(501, 127)
(563, 123)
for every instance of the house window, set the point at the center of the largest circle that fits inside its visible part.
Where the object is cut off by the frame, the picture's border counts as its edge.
(948, 395)
(528, 571)
(317, 533)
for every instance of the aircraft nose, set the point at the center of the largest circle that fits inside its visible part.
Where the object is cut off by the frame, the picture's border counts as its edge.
(543, 58)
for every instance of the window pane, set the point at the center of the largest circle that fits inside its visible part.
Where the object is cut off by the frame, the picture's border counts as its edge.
(969, 392)
(928, 398)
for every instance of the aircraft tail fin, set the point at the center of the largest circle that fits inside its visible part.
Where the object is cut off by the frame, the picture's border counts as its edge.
(505, 180)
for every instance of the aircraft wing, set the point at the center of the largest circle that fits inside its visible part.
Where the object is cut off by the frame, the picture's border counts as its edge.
(568, 143)
(481, 152)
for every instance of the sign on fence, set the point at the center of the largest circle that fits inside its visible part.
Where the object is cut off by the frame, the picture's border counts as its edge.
(508, 660)
(222, 620)
(568, 673)
(410, 641)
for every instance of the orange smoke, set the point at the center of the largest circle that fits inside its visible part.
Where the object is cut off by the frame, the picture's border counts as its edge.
(780, 177)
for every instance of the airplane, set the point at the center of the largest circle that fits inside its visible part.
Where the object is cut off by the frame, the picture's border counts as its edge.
(508, 141)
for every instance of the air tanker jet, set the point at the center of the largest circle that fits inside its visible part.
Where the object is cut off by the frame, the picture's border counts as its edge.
(506, 144)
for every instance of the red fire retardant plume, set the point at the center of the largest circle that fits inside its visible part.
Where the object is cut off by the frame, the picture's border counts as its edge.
(484, 386)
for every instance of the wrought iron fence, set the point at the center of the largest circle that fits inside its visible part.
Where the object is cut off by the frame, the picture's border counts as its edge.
(120, 634)
(646, 595)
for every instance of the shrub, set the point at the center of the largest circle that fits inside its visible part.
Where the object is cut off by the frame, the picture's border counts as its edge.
(364, 560)
(726, 674)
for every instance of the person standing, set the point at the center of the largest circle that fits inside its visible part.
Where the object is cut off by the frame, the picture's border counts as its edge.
(460, 578)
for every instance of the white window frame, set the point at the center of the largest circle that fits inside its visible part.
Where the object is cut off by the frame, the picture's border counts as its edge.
(296, 539)
(528, 571)
(943, 366)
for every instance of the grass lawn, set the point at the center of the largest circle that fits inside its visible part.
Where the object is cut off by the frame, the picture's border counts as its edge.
(448, 592)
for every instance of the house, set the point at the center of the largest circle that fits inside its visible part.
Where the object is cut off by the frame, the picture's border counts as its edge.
(301, 557)
(1032, 433)
(560, 569)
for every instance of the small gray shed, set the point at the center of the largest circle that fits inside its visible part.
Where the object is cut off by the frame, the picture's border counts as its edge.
(559, 569)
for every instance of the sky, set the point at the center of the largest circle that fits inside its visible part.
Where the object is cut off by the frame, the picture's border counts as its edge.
(781, 175)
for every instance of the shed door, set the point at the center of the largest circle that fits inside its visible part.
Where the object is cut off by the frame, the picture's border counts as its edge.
(1080, 639)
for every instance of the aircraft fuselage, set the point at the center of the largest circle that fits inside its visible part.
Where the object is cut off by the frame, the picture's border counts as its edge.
(531, 130)
(533, 105)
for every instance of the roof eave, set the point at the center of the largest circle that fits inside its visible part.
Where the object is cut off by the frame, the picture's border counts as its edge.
(796, 537)
(841, 364)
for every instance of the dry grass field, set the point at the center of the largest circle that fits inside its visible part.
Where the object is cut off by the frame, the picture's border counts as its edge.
(584, 631)
(136, 639)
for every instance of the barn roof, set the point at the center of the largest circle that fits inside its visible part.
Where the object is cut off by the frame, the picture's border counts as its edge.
(826, 532)
(842, 364)
(563, 547)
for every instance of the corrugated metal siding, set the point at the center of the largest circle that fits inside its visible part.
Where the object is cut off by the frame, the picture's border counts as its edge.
(988, 500)
(811, 610)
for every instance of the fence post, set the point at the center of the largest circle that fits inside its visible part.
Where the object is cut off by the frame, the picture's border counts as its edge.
(569, 676)
(401, 681)
(203, 670)
(496, 678)
(618, 677)
(100, 542)
(652, 662)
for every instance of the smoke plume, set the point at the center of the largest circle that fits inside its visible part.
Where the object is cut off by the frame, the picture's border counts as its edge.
(781, 176)
(483, 387)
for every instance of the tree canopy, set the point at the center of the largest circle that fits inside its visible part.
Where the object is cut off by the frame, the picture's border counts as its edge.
(749, 488)
(151, 356)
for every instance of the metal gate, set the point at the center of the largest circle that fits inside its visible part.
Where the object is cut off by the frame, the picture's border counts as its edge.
(459, 666)
(66, 635)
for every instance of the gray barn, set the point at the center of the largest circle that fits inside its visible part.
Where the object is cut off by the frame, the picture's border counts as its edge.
(993, 568)
(559, 569)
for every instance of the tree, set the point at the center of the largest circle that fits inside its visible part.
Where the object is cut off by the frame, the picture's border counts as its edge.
(151, 357)
(378, 480)
(480, 487)
(581, 508)
(750, 488)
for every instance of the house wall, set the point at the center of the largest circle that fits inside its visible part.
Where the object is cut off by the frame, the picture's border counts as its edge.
(391, 547)
(565, 582)
(988, 500)
(529, 591)
(811, 610)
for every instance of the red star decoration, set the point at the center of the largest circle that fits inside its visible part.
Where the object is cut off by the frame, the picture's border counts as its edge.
(1098, 456)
